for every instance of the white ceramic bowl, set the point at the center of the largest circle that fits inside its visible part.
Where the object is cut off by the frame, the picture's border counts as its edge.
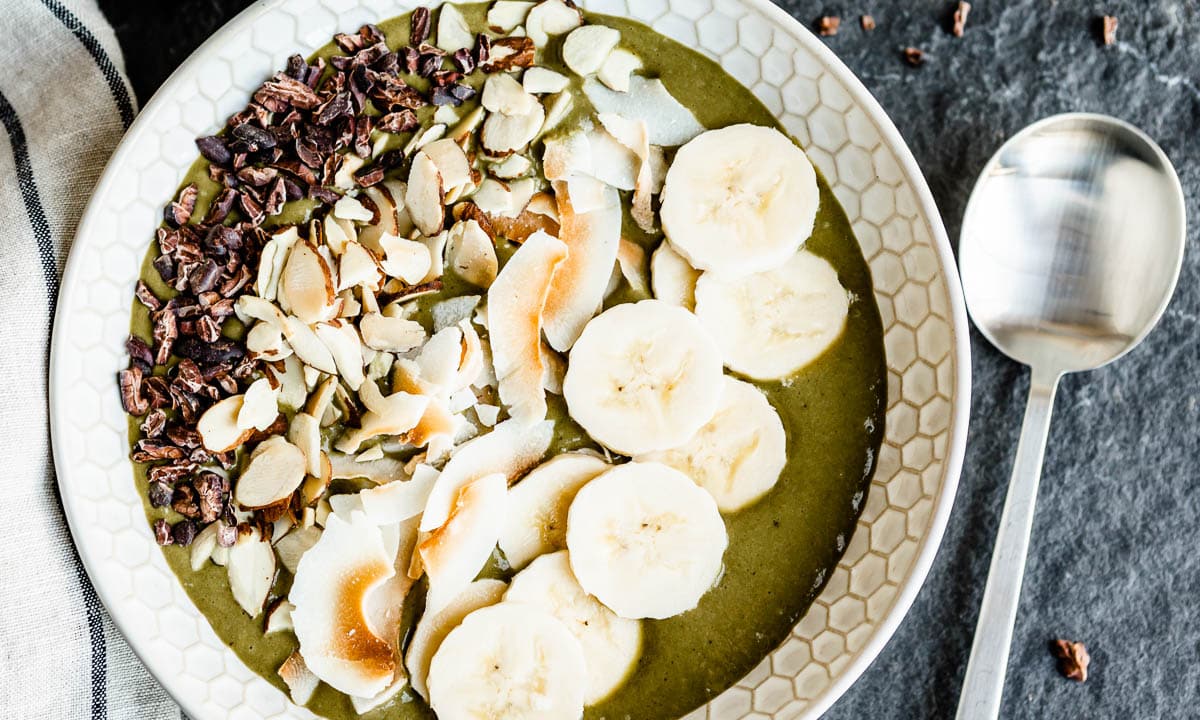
(821, 103)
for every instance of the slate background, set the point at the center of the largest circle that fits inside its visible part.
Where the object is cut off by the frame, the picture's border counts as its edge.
(1115, 558)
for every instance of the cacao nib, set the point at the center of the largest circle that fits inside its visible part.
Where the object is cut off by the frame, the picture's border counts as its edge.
(165, 267)
(285, 90)
(210, 487)
(169, 474)
(179, 212)
(154, 423)
(184, 501)
(207, 329)
(213, 149)
(149, 450)
(162, 532)
(251, 208)
(157, 391)
(323, 194)
(165, 333)
(257, 176)
(227, 534)
(205, 277)
(368, 177)
(399, 122)
(410, 59)
(482, 50)
(184, 532)
(219, 209)
(139, 352)
(335, 108)
(419, 31)
(160, 494)
(429, 64)
(224, 350)
(464, 60)
(130, 381)
(249, 138)
(275, 198)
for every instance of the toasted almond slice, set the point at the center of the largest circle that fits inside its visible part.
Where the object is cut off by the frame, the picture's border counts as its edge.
(451, 162)
(292, 389)
(436, 246)
(276, 469)
(305, 433)
(440, 357)
(345, 347)
(513, 166)
(577, 289)
(251, 569)
(466, 125)
(424, 195)
(424, 137)
(396, 414)
(344, 177)
(472, 254)
(503, 134)
(558, 107)
(617, 68)
(300, 681)
(540, 81)
(493, 197)
(266, 341)
(337, 233)
(321, 397)
(203, 545)
(307, 346)
(253, 307)
(587, 47)
(453, 33)
(349, 208)
(474, 360)
(260, 406)
(392, 216)
(268, 273)
(218, 428)
(391, 334)
(515, 315)
(279, 617)
(407, 260)
(503, 94)
(291, 547)
(266, 264)
(358, 266)
(551, 17)
(446, 115)
(306, 285)
(504, 15)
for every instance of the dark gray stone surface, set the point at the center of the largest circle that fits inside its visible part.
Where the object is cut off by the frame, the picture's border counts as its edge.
(1115, 560)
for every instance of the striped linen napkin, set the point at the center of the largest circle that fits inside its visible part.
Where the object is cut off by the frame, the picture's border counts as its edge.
(64, 103)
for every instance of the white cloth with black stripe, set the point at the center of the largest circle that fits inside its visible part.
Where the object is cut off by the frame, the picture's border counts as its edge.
(64, 103)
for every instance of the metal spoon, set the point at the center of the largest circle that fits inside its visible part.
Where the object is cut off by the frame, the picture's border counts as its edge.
(1070, 250)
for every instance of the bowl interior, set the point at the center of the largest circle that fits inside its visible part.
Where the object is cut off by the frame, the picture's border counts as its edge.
(818, 100)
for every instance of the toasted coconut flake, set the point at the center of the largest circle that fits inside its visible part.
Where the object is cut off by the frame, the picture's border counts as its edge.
(333, 583)
(307, 346)
(440, 357)
(349, 208)
(668, 122)
(544, 204)
(424, 195)
(398, 501)
(301, 681)
(380, 332)
(634, 135)
(542, 81)
(276, 469)
(345, 347)
(456, 551)
(395, 414)
(375, 452)
(631, 260)
(279, 617)
(407, 260)
(218, 427)
(472, 254)
(305, 433)
(487, 414)
(504, 15)
(513, 166)
(260, 406)
(382, 471)
(358, 266)
(555, 369)
(617, 68)
(551, 17)
(587, 47)
(453, 311)
(503, 134)
(453, 33)
(577, 289)
(503, 94)
(251, 570)
(515, 317)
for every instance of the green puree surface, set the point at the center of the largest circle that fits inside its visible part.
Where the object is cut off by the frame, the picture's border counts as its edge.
(781, 549)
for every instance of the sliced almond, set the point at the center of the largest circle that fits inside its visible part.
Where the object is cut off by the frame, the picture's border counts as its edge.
(542, 81)
(460, 132)
(292, 546)
(503, 94)
(337, 234)
(436, 246)
(451, 162)
(345, 347)
(388, 198)
(349, 208)
(267, 285)
(407, 260)
(446, 115)
(265, 341)
(558, 107)
(424, 137)
(306, 284)
(251, 569)
(551, 17)
(279, 617)
(253, 307)
(487, 414)
(276, 469)
(218, 428)
(587, 47)
(472, 254)
(423, 198)
(292, 388)
(504, 15)
(305, 433)
(344, 177)
(384, 470)
(203, 545)
(322, 397)
(617, 68)
(358, 266)
(635, 135)
(307, 346)
(503, 134)
(301, 681)
(441, 357)
(513, 166)
(453, 33)
(668, 121)
(391, 334)
(260, 406)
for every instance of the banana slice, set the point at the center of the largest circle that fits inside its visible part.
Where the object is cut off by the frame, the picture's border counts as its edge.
(433, 628)
(739, 200)
(535, 522)
(645, 540)
(672, 279)
(771, 324)
(510, 661)
(643, 377)
(611, 644)
(738, 455)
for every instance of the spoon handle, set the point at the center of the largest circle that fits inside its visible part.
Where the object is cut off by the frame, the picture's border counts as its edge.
(983, 686)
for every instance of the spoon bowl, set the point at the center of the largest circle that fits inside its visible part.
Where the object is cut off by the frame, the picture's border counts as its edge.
(1070, 250)
(1072, 242)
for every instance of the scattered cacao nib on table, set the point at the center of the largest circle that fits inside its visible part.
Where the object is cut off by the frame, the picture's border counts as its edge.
(828, 25)
(1073, 659)
(914, 56)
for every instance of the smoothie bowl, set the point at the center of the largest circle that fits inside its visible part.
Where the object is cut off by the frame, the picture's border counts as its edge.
(512, 360)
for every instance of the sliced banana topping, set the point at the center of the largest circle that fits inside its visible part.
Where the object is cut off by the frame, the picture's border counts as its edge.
(771, 324)
(643, 377)
(739, 200)
(611, 644)
(645, 540)
(510, 661)
(738, 455)
(535, 520)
